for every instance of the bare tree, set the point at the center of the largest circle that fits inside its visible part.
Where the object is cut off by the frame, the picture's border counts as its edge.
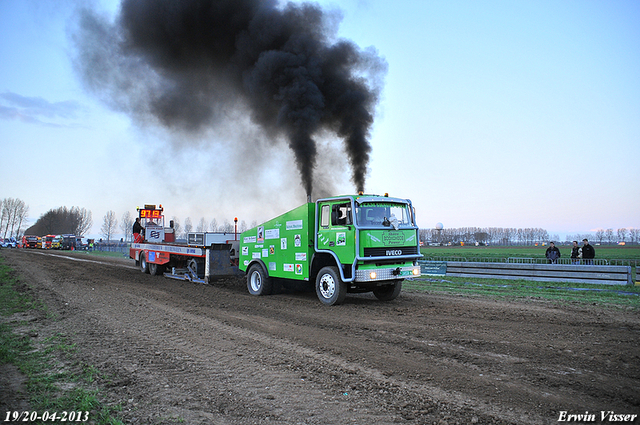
(84, 221)
(609, 235)
(12, 213)
(622, 234)
(202, 225)
(213, 226)
(109, 225)
(243, 227)
(126, 225)
(187, 226)
(226, 227)
(21, 217)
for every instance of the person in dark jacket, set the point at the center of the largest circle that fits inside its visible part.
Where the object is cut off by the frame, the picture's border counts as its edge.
(553, 253)
(575, 253)
(137, 231)
(588, 252)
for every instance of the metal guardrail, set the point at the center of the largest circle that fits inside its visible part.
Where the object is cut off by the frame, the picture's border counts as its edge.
(595, 261)
(599, 274)
(440, 265)
(120, 247)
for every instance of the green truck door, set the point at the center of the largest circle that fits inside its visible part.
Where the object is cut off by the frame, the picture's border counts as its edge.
(336, 231)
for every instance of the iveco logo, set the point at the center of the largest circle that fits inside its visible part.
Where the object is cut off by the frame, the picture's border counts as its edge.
(394, 252)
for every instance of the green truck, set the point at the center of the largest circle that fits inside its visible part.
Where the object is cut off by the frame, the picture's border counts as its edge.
(351, 243)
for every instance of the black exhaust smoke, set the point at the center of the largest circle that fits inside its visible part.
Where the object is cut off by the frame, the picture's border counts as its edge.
(181, 63)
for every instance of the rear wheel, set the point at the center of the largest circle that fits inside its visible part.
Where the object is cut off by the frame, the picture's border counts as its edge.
(258, 283)
(388, 292)
(144, 266)
(156, 269)
(331, 290)
(196, 265)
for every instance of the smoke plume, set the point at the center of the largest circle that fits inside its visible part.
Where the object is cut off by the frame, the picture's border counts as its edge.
(181, 64)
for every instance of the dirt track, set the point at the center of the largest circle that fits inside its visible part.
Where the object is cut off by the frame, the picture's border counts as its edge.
(215, 354)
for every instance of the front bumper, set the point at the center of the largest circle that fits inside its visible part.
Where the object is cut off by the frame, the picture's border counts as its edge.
(375, 275)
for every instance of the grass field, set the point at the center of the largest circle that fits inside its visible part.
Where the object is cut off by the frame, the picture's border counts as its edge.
(619, 296)
(609, 296)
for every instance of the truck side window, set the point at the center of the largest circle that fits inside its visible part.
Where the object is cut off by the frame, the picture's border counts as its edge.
(341, 214)
(324, 220)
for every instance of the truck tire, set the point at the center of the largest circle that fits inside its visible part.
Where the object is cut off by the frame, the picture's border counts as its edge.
(144, 266)
(197, 265)
(156, 269)
(388, 292)
(258, 283)
(331, 290)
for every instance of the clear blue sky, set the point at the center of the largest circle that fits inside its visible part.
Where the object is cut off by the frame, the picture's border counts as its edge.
(505, 114)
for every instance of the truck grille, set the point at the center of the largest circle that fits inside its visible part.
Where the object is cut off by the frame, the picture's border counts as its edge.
(395, 251)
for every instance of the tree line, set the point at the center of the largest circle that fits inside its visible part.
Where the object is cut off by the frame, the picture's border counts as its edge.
(62, 220)
(111, 224)
(78, 221)
(522, 236)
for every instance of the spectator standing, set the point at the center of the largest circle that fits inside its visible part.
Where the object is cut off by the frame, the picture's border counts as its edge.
(588, 252)
(553, 253)
(137, 231)
(575, 253)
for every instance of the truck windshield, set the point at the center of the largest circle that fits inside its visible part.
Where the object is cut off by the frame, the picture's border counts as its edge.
(383, 215)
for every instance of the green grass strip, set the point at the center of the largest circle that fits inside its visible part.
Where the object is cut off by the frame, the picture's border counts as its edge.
(619, 296)
(50, 386)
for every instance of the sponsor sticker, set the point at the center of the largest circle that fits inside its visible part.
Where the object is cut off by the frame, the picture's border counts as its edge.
(393, 238)
(298, 268)
(272, 233)
(260, 233)
(265, 252)
(249, 239)
(288, 267)
(297, 241)
(283, 243)
(272, 266)
(341, 239)
(245, 250)
(294, 225)
(301, 256)
(255, 254)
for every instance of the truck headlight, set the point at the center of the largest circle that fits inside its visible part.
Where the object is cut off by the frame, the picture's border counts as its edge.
(416, 272)
(372, 275)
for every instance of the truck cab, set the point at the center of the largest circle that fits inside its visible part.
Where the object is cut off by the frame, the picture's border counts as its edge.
(373, 241)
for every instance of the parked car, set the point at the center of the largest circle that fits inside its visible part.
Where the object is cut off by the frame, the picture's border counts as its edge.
(9, 243)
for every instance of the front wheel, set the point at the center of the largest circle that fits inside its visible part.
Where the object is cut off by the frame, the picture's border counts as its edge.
(330, 288)
(388, 292)
(258, 283)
